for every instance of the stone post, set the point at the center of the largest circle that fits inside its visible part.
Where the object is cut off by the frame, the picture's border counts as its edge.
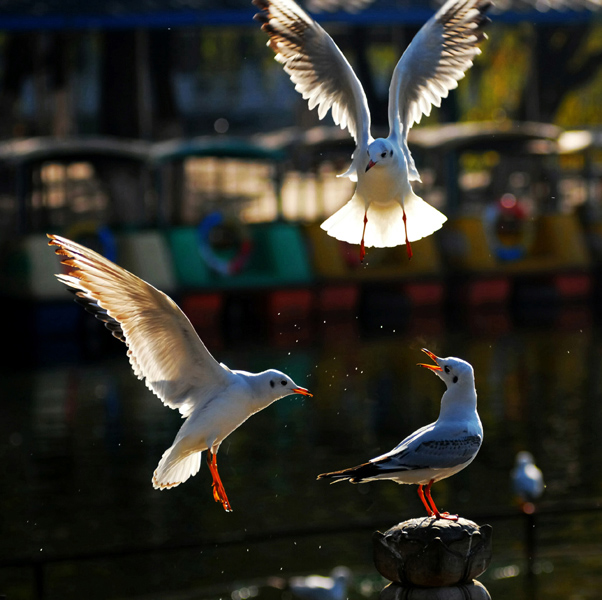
(433, 559)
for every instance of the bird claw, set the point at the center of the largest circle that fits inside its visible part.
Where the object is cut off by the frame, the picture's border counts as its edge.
(446, 516)
(219, 495)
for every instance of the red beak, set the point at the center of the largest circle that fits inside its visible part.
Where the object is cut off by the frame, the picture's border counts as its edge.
(302, 391)
(370, 165)
(435, 367)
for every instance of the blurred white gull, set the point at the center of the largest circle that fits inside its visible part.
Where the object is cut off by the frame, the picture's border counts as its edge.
(384, 211)
(435, 451)
(527, 480)
(319, 587)
(165, 351)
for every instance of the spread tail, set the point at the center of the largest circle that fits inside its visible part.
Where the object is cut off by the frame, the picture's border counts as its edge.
(385, 227)
(173, 470)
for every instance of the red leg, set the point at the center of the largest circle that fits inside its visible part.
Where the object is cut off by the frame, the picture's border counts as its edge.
(219, 493)
(405, 226)
(429, 512)
(362, 247)
(436, 512)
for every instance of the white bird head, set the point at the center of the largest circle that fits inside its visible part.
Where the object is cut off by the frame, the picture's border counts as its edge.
(455, 372)
(524, 458)
(380, 153)
(274, 384)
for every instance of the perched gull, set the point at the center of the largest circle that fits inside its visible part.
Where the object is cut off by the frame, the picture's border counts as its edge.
(435, 451)
(165, 350)
(527, 480)
(384, 211)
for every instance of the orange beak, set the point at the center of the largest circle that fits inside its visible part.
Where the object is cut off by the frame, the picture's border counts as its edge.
(435, 367)
(370, 165)
(302, 391)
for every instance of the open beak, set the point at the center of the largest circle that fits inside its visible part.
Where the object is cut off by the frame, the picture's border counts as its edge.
(302, 391)
(370, 165)
(434, 367)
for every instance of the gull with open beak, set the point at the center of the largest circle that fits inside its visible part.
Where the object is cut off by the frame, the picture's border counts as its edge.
(384, 211)
(435, 451)
(165, 351)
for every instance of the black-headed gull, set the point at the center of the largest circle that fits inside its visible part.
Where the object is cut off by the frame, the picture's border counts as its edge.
(527, 480)
(384, 211)
(165, 351)
(435, 451)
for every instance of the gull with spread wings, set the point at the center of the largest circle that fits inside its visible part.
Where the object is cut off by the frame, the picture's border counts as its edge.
(384, 211)
(166, 352)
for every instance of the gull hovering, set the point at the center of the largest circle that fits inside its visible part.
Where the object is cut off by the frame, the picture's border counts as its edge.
(384, 210)
(166, 352)
(436, 451)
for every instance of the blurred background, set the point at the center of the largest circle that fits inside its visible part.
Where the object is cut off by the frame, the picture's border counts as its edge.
(164, 135)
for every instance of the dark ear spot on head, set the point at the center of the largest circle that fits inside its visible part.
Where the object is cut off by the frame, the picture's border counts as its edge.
(455, 379)
(391, 153)
(271, 383)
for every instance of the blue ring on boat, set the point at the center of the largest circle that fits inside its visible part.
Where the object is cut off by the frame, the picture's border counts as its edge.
(226, 267)
(105, 237)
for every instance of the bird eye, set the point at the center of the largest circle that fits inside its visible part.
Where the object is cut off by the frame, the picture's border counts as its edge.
(446, 369)
(391, 153)
(271, 383)
(283, 382)
(455, 380)
(383, 154)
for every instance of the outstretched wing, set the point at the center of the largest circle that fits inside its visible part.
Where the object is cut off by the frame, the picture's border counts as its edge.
(433, 63)
(316, 66)
(163, 347)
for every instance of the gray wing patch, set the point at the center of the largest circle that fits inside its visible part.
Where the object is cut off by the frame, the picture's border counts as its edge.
(448, 453)
(432, 454)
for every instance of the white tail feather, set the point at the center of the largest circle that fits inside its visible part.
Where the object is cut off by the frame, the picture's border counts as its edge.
(385, 227)
(173, 470)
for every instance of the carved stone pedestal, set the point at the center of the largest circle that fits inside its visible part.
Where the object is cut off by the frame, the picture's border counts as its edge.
(433, 559)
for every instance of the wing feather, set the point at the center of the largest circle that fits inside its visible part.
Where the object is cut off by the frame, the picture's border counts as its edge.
(163, 347)
(319, 70)
(433, 454)
(438, 56)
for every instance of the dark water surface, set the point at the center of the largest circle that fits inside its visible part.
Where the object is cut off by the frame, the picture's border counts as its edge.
(82, 436)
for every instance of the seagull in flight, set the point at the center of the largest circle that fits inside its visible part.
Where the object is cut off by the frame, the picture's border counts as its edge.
(384, 211)
(436, 451)
(165, 351)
